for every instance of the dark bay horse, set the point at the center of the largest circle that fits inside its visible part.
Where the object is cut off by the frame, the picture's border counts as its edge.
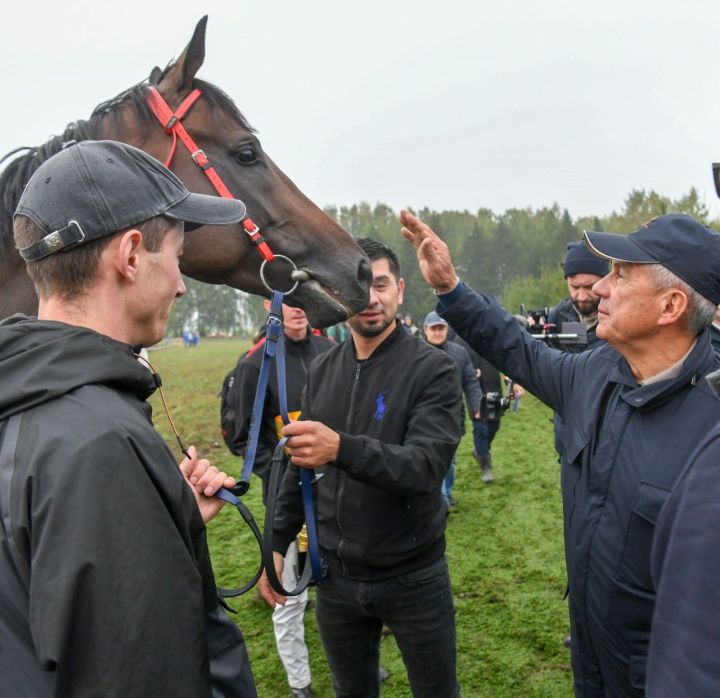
(338, 274)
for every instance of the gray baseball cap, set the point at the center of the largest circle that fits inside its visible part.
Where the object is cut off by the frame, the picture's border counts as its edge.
(98, 188)
(432, 318)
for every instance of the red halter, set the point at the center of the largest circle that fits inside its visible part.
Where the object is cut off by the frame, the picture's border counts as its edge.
(172, 123)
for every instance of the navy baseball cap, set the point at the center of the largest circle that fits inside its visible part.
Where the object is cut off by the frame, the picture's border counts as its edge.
(97, 188)
(686, 247)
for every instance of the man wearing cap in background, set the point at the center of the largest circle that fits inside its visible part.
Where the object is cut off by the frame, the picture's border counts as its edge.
(582, 271)
(633, 410)
(106, 586)
(436, 333)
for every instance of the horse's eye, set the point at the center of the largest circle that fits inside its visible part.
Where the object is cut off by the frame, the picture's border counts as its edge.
(246, 155)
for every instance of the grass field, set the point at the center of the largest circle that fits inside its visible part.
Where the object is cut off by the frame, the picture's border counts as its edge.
(504, 546)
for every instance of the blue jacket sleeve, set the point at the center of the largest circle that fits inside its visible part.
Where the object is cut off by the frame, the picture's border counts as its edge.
(495, 334)
(684, 654)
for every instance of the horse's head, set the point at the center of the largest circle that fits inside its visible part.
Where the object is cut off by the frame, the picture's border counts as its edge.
(338, 274)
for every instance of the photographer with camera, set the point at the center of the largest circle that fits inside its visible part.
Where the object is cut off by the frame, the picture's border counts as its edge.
(582, 271)
(436, 333)
(493, 405)
(632, 410)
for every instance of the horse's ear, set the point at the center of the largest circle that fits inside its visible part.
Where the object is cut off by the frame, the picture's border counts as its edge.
(155, 75)
(179, 76)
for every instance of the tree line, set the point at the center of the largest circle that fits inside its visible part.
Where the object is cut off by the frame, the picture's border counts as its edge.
(515, 255)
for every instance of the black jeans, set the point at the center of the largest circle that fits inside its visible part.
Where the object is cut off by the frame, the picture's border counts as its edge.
(417, 607)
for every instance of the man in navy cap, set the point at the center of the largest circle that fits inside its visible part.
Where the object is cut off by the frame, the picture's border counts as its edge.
(632, 410)
(582, 271)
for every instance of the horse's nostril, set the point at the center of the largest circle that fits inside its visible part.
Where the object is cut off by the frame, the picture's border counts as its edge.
(365, 273)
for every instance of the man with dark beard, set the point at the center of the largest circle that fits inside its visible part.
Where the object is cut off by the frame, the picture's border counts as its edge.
(582, 270)
(381, 422)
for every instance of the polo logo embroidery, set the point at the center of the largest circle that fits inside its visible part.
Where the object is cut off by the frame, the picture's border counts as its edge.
(380, 406)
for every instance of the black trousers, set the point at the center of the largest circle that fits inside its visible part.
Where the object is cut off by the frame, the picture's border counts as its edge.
(417, 607)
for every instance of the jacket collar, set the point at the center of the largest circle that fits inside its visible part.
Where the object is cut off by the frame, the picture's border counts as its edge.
(700, 361)
(397, 336)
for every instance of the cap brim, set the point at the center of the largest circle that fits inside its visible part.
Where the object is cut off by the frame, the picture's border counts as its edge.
(202, 209)
(614, 246)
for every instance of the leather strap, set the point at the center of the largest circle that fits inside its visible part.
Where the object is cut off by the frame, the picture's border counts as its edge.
(171, 121)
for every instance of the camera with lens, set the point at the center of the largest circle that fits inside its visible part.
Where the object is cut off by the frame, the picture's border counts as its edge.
(570, 334)
(493, 406)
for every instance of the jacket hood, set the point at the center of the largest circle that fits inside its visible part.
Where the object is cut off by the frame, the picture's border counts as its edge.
(41, 360)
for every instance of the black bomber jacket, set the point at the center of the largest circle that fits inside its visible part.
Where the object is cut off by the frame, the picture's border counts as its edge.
(379, 506)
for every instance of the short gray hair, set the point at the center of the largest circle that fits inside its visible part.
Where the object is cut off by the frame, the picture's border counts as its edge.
(701, 311)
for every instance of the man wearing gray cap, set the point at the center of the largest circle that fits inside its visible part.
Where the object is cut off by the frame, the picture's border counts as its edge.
(632, 411)
(106, 586)
(436, 333)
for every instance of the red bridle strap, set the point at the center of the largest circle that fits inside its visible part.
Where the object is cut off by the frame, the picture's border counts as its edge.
(171, 121)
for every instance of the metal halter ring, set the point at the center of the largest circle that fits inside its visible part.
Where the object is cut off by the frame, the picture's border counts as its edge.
(296, 275)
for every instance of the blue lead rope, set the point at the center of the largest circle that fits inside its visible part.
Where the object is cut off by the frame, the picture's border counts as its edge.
(274, 349)
(274, 340)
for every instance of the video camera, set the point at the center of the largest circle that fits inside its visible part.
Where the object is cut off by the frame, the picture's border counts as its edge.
(571, 334)
(493, 405)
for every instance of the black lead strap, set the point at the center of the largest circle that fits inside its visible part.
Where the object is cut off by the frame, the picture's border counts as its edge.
(222, 493)
(268, 555)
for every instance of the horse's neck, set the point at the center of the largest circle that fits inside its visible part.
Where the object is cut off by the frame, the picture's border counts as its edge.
(22, 297)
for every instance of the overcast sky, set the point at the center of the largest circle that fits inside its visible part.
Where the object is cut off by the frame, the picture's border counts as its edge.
(448, 104)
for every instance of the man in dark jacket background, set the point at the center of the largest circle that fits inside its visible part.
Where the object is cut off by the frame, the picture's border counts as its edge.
(582, 270)
(301, 347)
(436, 333)
(380, 421)
(632, 411)
(106, 586)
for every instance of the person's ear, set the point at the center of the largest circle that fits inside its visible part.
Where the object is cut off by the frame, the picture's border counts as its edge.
(401, 287)
(673, 305)
(127, 254)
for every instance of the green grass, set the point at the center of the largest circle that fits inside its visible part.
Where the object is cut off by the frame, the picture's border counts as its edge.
(504, 546)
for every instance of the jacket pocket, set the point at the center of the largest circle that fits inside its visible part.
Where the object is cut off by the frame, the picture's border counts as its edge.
(634, 566)
(573, 443)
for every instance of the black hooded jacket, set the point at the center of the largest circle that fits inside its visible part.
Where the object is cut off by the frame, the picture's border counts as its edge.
(105, 579)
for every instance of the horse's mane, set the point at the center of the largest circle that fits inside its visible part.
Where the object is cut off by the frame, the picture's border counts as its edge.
(17, 172)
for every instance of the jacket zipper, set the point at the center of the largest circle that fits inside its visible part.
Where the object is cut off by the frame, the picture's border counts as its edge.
(343, 475)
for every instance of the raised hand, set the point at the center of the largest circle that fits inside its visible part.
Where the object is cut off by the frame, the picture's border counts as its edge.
(433, 254)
